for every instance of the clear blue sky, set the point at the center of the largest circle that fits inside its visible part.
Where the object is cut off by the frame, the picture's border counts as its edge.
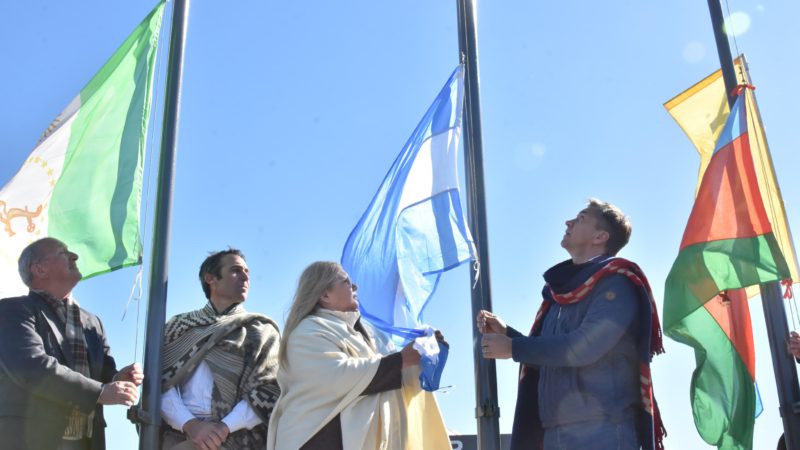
(292, 113)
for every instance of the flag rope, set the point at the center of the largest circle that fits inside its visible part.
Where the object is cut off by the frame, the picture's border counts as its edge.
(793, 311)
(787, 284)
(732, 30)
(158, 85)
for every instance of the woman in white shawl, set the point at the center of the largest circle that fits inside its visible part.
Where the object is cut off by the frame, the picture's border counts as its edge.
(338, 389)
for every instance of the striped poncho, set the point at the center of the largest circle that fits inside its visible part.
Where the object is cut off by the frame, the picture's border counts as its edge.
(241, 349)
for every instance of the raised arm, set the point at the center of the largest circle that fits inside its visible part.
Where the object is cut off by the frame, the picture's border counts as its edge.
(613, 309)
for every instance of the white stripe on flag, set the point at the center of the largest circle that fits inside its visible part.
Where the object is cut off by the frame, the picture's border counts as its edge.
(433, 170)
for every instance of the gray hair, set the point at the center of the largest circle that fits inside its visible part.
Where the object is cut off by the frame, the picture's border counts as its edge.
(31, 255)
(313, 283)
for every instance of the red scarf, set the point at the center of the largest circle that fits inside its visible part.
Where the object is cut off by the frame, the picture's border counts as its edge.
(636, 276)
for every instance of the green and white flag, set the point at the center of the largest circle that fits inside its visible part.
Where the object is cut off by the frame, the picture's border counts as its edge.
(82, 183)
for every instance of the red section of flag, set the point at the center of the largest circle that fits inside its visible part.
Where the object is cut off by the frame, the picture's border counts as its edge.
(728, 204)
(731, 312)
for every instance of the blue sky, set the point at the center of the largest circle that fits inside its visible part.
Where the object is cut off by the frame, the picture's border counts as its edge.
(292, 113)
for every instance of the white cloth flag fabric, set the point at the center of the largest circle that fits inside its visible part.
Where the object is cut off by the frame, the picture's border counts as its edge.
(82, 183)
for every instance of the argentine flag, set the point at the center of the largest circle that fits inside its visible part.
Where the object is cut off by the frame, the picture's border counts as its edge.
(414, 228)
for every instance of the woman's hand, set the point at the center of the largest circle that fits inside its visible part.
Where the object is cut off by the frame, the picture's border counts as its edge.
(440, 338)
(410, 356)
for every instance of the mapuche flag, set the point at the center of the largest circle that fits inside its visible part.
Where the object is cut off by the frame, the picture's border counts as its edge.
(82, 183)
(728, 244)
(701, 112)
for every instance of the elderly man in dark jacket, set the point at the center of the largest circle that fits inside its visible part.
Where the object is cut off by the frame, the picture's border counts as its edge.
(56, 371)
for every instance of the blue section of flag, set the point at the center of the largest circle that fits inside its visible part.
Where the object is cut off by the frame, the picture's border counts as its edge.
(414, 228)
(759, 404)
(430, 240)
(734, 126)
(431, 372)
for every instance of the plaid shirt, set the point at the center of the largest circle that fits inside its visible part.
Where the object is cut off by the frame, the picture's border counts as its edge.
(68, 311)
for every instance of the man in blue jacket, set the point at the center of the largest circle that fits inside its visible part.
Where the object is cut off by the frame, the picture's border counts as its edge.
(56, 371)
(585, 376)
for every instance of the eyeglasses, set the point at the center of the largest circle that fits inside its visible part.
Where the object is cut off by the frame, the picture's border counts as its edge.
(347, 281)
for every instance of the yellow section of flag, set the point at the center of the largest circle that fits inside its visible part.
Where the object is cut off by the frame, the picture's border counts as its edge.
(701, 112)
(425, 425)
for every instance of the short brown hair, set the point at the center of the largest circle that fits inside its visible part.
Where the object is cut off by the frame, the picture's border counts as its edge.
(213, 265)
(613, 221)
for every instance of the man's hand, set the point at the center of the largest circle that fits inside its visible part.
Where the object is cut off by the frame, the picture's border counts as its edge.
(132, 373)
(490, 323)
(794, 344)
(206, 435)
(118, 393)
(496, 346)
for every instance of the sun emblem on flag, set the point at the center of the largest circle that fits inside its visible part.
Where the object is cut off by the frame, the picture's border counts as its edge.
(8, 214)
(25, 213)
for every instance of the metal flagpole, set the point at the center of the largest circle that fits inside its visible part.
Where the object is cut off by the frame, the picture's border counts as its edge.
(149, 411)
(783, 363)
(487, 410)
(723, 50)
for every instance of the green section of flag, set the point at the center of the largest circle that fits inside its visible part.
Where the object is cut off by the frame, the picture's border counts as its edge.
(703, 270)
(722, 392)
(96, 201)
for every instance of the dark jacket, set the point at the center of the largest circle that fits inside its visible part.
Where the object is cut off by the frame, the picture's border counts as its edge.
(587, 356)
(37, 387)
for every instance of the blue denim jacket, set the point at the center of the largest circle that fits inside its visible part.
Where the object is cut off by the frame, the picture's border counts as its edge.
(587, 356)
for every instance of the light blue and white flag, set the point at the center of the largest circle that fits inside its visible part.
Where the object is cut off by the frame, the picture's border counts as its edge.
(414, 228)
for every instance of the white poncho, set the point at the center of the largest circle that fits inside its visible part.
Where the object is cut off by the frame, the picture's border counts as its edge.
(329, 366)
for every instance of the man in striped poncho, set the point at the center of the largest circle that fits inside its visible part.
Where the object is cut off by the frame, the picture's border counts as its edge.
(220, 363)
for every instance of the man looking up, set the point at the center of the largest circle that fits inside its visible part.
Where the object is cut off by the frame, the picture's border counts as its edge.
(585, 377)
(56, 370)
(220, 363)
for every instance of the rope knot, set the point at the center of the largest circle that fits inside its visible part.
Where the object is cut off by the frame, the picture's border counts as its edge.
(740, 88)
(787, 284)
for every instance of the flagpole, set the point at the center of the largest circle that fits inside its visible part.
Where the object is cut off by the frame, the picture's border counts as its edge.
(487, 410)
(723, 50)
(148, 413)
(783, 363)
